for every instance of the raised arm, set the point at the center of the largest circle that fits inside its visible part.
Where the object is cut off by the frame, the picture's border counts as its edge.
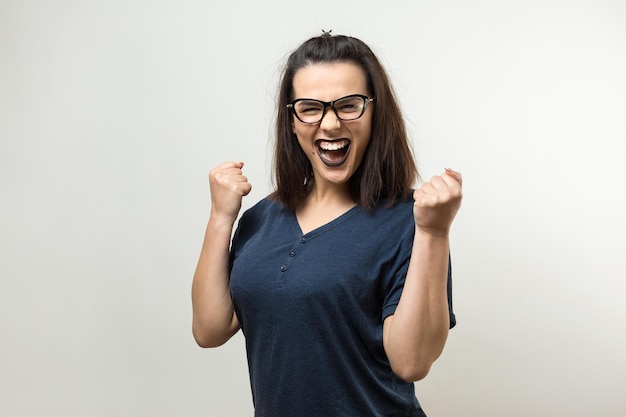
(414, 336)
(214, 319)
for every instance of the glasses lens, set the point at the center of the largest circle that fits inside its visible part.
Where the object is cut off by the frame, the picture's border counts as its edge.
(350, 108)
(309, 111)
(346, 108)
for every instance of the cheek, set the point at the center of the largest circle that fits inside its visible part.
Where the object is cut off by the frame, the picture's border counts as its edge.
(305, 145)
(362, 146)
(364, 137)
(305, 138)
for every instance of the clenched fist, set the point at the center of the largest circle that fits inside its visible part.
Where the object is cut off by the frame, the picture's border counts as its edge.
(228, 187)
(437, 202)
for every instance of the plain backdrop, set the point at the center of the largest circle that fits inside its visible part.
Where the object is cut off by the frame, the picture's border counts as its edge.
(113, 112)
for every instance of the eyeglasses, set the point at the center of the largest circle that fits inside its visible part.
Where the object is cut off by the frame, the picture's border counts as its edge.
(311, 111)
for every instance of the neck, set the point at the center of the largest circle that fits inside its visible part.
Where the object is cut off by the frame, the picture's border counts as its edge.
(322, 205)
(330, 194)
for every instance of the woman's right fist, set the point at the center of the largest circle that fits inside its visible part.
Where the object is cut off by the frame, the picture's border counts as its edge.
(228, 186)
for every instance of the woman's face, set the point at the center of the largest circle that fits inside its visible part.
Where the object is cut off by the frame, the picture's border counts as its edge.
(334, 147)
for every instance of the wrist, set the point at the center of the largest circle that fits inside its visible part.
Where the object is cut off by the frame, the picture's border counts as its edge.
(430, 242)
(432, 234)
(221, 221)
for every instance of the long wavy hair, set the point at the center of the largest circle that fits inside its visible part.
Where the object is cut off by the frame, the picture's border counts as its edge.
(388, 168)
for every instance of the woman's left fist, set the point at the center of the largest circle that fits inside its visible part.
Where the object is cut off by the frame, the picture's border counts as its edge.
(437, 202)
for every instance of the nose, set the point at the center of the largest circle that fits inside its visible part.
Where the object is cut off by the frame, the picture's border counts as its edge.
(330, 121)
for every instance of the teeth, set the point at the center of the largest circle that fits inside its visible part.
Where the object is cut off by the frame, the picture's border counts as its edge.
(333, 146)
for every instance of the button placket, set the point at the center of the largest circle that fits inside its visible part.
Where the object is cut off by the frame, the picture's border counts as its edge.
(284, 268)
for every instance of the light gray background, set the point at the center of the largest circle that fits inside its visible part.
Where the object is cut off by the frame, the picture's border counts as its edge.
(113, 112)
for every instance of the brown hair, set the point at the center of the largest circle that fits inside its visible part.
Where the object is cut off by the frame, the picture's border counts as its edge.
(387, 170)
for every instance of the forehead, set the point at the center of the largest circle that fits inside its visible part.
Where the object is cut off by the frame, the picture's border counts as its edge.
(329, 81)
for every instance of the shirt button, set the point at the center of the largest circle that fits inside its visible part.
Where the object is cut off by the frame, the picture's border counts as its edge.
(292, 254)
(283, 268)
(302, 239)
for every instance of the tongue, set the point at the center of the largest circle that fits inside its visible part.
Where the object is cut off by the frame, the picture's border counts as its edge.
(333, 158)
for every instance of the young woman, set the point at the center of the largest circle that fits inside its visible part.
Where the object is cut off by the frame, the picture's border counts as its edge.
(340, 279)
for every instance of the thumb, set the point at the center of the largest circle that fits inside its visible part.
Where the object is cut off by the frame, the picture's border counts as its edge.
(454, 174)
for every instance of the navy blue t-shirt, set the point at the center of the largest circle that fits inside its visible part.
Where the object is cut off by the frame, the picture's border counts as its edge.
(311, 307)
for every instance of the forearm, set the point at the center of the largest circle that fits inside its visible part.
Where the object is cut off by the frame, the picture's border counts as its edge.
(416, 334)
(214, 321)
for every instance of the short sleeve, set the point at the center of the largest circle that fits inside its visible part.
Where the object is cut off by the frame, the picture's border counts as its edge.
(397, 285)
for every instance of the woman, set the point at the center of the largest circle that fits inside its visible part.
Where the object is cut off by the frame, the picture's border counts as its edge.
(340, 279)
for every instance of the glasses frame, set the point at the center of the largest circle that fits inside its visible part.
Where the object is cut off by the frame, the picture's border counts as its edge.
(366, 101)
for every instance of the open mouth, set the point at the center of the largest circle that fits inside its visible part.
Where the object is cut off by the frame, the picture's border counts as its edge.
(333, 152)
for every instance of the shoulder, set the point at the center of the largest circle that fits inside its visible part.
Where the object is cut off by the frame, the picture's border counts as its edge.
(387, 224)
(250, 222)
(265, 207)
(400, 211)
(266, 211)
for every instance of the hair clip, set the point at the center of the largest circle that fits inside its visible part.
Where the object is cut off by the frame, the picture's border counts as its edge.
(324, 33)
